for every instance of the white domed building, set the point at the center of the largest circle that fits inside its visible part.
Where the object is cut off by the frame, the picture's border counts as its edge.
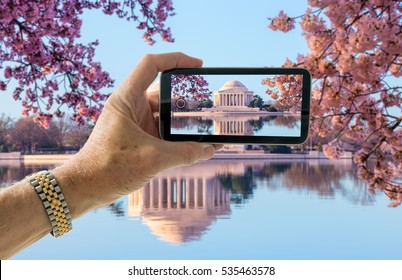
(233, 94)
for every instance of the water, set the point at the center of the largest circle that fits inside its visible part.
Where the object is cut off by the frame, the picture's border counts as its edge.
(261, 209)
(243, 124)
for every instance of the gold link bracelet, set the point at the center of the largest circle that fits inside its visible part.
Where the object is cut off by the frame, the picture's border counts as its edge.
(53, 200)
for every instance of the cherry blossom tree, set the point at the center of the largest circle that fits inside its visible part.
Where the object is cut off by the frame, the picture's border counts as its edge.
(190, 86)
(44, 66)
(286, 90)
(355, 57)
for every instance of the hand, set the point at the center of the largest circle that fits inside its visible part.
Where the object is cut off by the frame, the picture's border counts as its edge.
(124, 150)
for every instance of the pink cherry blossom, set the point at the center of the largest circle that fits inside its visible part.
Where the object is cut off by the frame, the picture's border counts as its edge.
(286, 90)
(355, 57)
(193, 86)
(282, 22)
(50, 69)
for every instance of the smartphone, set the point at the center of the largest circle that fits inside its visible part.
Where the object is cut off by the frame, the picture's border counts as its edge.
(235, 105)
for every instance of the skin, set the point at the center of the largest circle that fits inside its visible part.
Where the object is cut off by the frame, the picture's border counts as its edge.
(122, 154)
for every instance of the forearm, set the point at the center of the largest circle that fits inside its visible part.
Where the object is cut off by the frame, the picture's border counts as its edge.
(122, 154)
(23, 219)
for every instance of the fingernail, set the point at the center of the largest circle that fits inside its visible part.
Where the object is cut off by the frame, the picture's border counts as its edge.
(207, 152)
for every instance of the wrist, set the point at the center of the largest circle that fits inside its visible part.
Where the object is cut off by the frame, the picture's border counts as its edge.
(80, 180)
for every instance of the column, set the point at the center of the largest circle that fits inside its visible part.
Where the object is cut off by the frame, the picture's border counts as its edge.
(204, 193)
(169, 193)
(160, 193)
(151, 195)
(135, 199)
(178, 193)
(187, 193)
(196, 192)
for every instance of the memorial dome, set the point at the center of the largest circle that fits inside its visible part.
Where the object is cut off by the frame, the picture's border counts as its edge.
(233, 84)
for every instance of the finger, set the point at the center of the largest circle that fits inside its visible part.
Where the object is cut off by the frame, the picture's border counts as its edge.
(218, 147)
(153, 96)
(149, 67)
(184, 153)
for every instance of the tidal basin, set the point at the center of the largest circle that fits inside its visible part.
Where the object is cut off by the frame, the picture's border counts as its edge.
(233, 209)
(239, 124)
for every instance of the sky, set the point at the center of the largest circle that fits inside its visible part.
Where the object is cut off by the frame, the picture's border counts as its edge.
(224, 33)
(252, 82)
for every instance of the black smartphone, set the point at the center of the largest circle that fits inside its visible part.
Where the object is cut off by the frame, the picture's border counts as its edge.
(235, 105)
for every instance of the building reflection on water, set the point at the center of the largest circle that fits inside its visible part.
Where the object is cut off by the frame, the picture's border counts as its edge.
(237, 124)
(179, 205)
(182, 204)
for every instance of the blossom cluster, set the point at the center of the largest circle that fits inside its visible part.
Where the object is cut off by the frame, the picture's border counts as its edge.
(46, 68)
(355, 57)
(286, 90)
(194, 87)
(282, 22)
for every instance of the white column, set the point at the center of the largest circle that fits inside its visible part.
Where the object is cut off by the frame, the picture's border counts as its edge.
(178, 193)
(151, 195)
(160, 194)
(187, 192)
(204, 193)
(169, 193)
(196, 192)
(136, 201)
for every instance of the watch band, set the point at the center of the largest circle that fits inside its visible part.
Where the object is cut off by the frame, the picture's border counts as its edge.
(53, 200)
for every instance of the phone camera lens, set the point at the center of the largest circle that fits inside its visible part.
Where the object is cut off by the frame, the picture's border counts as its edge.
(181, 103)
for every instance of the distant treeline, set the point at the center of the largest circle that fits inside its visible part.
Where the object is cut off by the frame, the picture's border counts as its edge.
(26, 136)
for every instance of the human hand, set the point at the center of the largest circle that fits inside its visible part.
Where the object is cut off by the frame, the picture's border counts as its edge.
(124, 150)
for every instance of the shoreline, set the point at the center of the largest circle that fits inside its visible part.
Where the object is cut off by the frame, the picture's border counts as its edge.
(223, 113)
(16, 158)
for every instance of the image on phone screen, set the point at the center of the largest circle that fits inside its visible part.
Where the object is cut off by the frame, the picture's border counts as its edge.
(239, 106)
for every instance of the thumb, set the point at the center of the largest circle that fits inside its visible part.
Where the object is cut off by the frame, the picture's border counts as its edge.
(184, 153)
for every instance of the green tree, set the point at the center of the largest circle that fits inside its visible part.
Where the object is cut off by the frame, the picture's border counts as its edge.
(280, 149)
(241, 186)
(257, 102)
(206, 103)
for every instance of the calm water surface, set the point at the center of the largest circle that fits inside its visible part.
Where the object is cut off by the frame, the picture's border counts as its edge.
(247, 124)
(234, 210)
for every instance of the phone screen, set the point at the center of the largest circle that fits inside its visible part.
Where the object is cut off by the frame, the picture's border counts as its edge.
(236, 107)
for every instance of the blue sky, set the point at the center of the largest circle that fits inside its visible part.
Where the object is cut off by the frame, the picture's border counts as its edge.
(223, 33)
(251, 82)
